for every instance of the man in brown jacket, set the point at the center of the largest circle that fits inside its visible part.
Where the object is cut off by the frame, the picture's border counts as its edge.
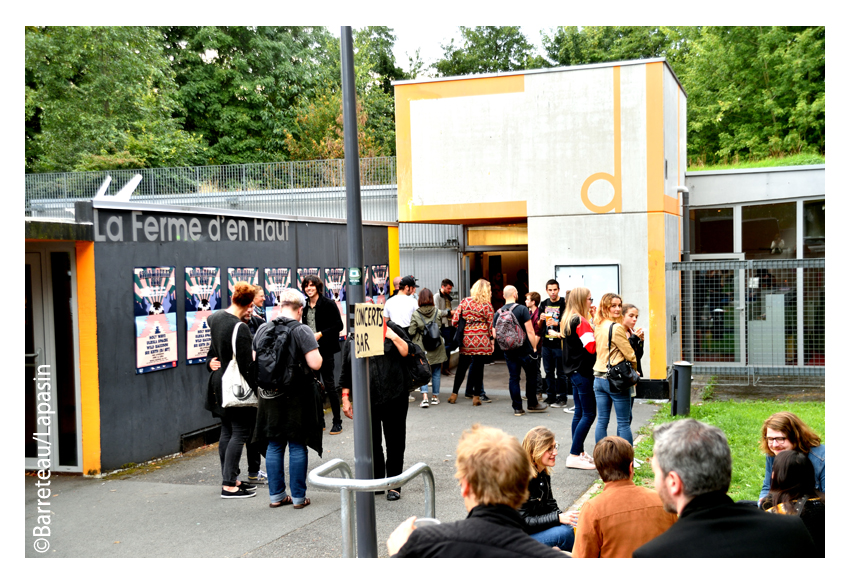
(624, 516)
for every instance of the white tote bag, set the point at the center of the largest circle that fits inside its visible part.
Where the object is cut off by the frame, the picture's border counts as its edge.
(235, 391)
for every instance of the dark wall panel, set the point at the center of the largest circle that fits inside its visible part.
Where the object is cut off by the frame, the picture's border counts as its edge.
(143, 416)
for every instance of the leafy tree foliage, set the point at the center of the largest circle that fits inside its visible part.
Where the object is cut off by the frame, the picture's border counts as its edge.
(569, 45)
(101, 97)
(486, 49)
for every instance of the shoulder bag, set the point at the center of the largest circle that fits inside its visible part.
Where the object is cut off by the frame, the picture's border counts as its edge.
(621, 376)
(235, 390)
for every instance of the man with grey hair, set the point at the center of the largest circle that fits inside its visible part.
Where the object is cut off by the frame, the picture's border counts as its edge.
(693, 469)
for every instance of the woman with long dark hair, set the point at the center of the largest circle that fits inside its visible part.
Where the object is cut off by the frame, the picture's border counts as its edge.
(477, 312)
(237, 424)
(793, 492)
(426, 314)
(579, 354)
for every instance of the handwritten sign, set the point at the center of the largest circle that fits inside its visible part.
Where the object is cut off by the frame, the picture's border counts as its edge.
(369, 330)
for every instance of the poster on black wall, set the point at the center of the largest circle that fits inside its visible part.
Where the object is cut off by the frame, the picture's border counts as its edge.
(250, 275)
(203, 296)
(276, 279)
(304, 272)
(334, 281)
(155, 311)
(380, 283)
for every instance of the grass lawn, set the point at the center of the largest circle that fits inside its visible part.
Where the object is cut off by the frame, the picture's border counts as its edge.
(741, 421)
(792, 160)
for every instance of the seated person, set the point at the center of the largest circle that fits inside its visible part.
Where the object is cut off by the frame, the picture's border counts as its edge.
(493, 471)
(544, 521)
(624, 516)
(792, 492)
(785, 431)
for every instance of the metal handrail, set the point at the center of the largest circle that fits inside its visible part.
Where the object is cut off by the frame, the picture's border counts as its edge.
(348, 486)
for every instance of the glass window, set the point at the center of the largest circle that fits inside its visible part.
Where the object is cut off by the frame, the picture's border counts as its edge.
(712, 231)
(769, 231)
(814, 229)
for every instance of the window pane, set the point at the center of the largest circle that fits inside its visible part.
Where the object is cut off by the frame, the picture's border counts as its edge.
(769, 231)
(814, 229)
(711, 231)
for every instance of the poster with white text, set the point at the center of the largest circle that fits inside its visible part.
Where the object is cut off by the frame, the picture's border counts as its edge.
(203, 296)
(250, 275)
(380, 283)
(155, 313)
(276, 279)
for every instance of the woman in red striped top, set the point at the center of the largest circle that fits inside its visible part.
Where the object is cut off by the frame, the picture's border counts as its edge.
(477, 345)
(579, 354)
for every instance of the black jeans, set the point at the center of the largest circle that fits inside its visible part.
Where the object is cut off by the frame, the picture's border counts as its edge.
(392, 416)
(327, 372)
(255, 450)
(475, 382)
(236, 425)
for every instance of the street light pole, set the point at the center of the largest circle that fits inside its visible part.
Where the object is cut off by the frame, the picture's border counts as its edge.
(367, 538)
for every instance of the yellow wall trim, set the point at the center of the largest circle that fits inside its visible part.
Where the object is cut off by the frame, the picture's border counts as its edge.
(404, 94)
(394, 255)
(467, 213)
(616, 181)
(89, 373)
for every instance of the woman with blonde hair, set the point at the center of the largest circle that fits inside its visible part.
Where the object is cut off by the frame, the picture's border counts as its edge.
(610, 308)
(579, 354)
(477, 312)
(543, 518)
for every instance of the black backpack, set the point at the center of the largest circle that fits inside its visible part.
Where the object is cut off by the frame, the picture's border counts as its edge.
(417, 370)
(277, 363)
(431, 337)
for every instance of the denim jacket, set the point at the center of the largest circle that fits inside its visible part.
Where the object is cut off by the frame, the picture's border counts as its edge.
(818, 457)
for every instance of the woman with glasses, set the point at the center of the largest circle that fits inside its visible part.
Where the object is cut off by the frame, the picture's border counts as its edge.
(544, 521)
(785, 431)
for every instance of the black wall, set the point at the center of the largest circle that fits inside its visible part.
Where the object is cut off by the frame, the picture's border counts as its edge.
(143, 416)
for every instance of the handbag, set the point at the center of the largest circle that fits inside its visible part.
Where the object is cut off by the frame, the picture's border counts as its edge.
(431, 338)
(461, 326)
(235, 391)
(621, 376)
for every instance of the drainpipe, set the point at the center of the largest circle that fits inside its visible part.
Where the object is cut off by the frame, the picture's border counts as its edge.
(687, 284)
(686, 222)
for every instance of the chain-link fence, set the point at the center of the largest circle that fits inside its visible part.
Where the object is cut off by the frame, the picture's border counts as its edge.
(310, 188)
(754, 318)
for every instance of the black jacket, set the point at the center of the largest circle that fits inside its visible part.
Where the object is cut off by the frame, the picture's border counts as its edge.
(541, 510)
(489, 531)
(221, 325)
(637, 345)
(328, 322)
(713, 526)
(386, 374)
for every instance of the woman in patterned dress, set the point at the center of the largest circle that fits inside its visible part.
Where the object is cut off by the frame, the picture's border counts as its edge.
(477, 345)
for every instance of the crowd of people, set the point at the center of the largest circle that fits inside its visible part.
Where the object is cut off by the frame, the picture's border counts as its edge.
(507, 485)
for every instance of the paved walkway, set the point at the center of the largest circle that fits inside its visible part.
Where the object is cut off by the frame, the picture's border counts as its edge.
(176, 511)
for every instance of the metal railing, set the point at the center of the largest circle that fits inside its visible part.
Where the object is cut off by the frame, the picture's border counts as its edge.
(754, 318)
(348, 486)
(314, 188)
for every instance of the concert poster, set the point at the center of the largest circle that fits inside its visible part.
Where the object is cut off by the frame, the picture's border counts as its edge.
(203, 296)
(334, 281)
(276, 279)
(250, 275)
(380, 283)
(155, 310)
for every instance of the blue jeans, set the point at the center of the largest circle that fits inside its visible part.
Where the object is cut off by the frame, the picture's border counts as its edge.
(530, 366)
(622, 406)
(435, 380)
(585, 411)
(297, 470)
(561, 536)
(556, 389)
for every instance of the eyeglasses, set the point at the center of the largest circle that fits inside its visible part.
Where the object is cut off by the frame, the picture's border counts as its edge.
(553, 448)
(776, 439)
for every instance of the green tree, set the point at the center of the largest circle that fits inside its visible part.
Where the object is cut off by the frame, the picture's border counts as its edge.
(755, 92)
(571, 45)
(486, 49)
(101, 97)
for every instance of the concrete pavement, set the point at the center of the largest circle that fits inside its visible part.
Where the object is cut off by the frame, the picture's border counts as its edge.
(176, 511)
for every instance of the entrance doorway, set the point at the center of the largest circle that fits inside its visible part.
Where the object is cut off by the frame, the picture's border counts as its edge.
(52, 412)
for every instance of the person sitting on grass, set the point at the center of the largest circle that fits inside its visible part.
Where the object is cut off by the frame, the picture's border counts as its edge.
(544, 520)
(793, 492)
(785, 431)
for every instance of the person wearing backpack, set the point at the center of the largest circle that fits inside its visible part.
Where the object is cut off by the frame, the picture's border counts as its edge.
(289, 411)
(388, 399)
(424, 331)
(514, 331)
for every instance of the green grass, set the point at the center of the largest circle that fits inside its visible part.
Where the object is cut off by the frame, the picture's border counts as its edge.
(741, 421)
(792, 160)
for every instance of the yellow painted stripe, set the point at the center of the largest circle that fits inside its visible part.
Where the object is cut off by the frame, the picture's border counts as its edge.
(394, 254)
(655, 207)
(468, 213)
(89, 372)
(404, 94)
(616, 181)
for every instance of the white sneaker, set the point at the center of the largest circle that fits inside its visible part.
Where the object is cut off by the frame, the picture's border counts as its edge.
(586, 456)
(579, 463)
(570, 410)
(424, 403)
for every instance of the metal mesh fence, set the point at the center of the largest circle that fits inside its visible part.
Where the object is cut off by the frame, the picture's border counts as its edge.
(311, 188)
(754, 318)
